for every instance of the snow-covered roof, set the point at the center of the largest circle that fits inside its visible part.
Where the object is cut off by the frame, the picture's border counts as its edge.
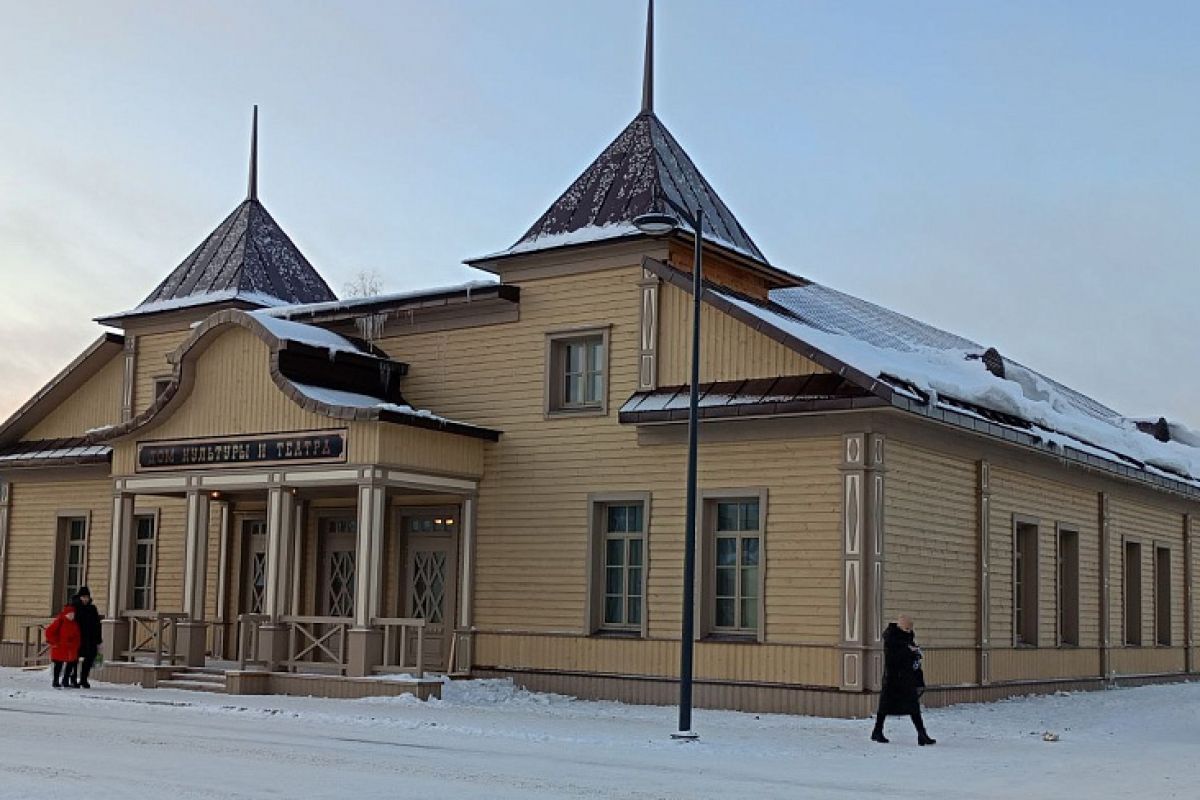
(954, 373)
(306, 334)
(643, 170)
(248, 257)
(40, 451)
(351, 304)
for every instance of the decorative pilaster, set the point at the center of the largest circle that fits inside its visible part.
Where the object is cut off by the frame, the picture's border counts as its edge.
(1189, 596)
(464, 637)
(854, 523)
(129, 377)
(983, 615)
(5, 511)
(874, 572)
(648, 339)
(1104, 524)
(193, 631)
(365, 642)
(223, 514)
(114, 626)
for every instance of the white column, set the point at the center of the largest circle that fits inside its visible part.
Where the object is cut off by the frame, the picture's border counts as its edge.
(195, 575)
(222, 560)
(119, 555)
(369, 561)
(296, 552)
(467, 572)
(280, 506)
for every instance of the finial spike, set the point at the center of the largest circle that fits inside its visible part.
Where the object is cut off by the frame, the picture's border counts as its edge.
(648, 69)
(252, 194)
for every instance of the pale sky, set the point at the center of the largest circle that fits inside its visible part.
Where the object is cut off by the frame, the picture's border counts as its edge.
(1022, 173)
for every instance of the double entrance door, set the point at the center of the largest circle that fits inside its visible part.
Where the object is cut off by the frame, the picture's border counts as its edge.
(420, 573)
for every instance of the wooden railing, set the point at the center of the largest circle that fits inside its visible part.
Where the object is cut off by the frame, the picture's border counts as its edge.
(247, 639)
(157, 628)
(317, 644)
(397, 632)
(35, 649)
(217, 638)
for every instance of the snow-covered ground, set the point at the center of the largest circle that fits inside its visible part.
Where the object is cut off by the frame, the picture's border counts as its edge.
(486, 739)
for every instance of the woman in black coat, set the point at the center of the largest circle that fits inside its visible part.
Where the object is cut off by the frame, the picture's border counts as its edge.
(903, 680)
(88, 620)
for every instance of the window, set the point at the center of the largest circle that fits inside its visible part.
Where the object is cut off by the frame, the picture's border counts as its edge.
(576, 366)
(143, 561)
(735, 548)
(618, 591)
(1162, 595)
(1025, 583)
(1133, 593)
(160, 386)
(71, 563)
(1068, 586)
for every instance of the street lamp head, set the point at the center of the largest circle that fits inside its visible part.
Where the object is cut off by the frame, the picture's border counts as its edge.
(656, 224)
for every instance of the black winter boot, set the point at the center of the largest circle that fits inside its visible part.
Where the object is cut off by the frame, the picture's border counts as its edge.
(877, 733)
(923, 738)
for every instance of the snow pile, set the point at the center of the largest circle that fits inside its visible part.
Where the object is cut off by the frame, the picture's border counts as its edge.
(890, 346)
(306, 334)
(338, 397)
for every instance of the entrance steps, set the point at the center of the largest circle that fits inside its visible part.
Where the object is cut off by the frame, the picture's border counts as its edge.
(197, 679)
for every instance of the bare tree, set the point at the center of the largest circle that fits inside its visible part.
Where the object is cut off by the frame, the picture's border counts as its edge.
(364, 284)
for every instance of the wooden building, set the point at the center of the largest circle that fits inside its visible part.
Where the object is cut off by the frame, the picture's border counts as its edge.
(241, 470)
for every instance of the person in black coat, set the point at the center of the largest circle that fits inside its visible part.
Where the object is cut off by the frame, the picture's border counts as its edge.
(88, 619)
(903, 680)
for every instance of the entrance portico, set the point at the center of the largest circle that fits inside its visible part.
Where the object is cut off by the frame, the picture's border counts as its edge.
(296, 528)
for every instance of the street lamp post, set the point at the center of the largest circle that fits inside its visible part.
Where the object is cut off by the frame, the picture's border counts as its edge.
(661, 225)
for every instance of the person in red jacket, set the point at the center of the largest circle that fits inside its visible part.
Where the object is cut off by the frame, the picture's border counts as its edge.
(63, 637)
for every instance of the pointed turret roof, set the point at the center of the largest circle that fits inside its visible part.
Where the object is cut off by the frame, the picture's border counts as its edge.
(248, 258)
(644, 170)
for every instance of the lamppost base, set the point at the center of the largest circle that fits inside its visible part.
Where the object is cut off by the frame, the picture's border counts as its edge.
(685, 736)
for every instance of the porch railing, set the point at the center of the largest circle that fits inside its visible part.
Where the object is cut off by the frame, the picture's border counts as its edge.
(317, 644)
(247, 639)
(156, 633)
(218, 634)
(397, 633)
(35, 650)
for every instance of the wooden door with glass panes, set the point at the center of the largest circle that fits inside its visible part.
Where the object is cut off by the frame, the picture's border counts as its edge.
(430, 578)
(337, 550)
(254, 566)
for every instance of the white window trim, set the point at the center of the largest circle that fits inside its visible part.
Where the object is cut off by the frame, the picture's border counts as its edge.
(156, 513)
(58, 582)
(552, 392)
(594, 607)
(705, 563)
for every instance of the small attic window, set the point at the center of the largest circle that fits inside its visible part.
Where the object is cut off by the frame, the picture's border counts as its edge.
(160, 386)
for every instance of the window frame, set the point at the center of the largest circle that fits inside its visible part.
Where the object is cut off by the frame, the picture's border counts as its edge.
(1026, 602)
(164, 381)
(1066, 530)
(598, 504)
(555, 371)
(62, 532)
(705, 610)
(1126, 543)
(154, 514)
(1161, 607)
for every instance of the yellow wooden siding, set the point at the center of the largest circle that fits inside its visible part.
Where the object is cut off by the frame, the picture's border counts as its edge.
(96, 403)
(729, 350)
(1151, 527)
(1051, 503)
(32, 541)
(799, 664)
(1011, 664)
(427, 450)
(533, 511)
(152, 350)
(931, 545)
(1146, 660)
(169, 549)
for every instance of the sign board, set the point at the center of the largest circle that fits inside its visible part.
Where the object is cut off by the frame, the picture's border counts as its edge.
(307, 447)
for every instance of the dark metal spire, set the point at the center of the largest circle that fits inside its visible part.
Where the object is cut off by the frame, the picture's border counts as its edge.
(252, 193)
(648, 68)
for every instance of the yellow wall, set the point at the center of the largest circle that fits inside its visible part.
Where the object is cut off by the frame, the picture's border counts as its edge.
(152, 363)
(1151, 527)
(96, 403)
(730, 349)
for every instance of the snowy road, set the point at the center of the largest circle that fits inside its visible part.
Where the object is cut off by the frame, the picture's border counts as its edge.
(487, 740)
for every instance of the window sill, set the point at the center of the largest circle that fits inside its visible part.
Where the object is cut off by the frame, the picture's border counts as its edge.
(563, 413)
(616, 633)
(731, 638)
